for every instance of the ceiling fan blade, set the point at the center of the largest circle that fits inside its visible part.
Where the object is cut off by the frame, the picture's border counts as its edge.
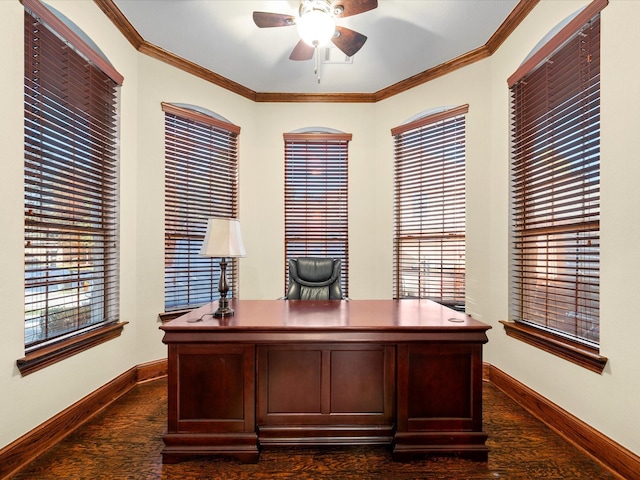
(348, 41)
(353, 7)
(302, 51)
(268, 19)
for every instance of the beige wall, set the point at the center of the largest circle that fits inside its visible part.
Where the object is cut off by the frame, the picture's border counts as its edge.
(608, 401)
(26, 402)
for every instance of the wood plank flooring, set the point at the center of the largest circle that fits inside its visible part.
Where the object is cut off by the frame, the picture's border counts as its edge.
(125, 441)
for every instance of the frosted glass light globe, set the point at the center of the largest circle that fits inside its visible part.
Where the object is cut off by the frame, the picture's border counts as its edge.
(316, 28)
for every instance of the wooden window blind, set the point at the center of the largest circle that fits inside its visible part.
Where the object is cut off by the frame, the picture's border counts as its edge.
(201, 181)
(316, 198)
(429, 208)
(555, 185)
(71, 183)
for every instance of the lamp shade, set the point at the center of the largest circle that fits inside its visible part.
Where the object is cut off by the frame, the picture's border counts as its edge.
(223, 239)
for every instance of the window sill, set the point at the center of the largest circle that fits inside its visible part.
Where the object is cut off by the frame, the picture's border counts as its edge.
(43, 357)
(577, 353)
(168, 316)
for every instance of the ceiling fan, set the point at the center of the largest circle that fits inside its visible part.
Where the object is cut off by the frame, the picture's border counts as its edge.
(316, 22)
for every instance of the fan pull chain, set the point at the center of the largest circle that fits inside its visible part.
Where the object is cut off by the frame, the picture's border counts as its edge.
(317, 68)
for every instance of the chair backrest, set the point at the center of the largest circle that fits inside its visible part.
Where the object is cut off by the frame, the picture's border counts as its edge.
(314, 279)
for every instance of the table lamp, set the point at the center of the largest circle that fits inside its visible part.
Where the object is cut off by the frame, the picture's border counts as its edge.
(223, 240)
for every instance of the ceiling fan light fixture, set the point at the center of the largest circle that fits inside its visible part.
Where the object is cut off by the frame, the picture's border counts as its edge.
(316, 25)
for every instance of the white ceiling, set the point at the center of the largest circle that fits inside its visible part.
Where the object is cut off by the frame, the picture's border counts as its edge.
(405, 38)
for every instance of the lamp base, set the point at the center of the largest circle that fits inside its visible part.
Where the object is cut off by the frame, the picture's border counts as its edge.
(224, 310)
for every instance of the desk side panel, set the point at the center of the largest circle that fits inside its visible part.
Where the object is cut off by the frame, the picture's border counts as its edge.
(211, 402)
(440, 400)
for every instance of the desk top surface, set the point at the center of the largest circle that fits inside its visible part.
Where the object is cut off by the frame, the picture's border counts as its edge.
(342, 315)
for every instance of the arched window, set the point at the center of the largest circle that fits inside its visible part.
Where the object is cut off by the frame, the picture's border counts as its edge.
(71, 189)
(429, 207)
(316, 196)
(201, 182)
(555, 191)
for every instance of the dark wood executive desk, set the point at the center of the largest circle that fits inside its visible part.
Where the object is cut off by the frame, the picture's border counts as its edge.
(405, 373)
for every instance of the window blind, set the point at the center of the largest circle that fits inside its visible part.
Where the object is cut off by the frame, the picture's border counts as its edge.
(429, 208)
(316, 198)
(201, 181)
(555, 189)
(71, 185)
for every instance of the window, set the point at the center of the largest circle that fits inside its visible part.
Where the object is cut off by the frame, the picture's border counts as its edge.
(201, 181)
(429, 204)
(555, 165)
(71, 190)
(315, 198)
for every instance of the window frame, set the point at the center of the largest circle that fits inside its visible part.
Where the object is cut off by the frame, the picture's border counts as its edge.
(54, 218)
(581, 352)
(329, 232)
(199, 141)
(424, 151)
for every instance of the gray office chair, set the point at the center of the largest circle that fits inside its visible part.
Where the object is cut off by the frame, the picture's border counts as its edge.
(314, 279)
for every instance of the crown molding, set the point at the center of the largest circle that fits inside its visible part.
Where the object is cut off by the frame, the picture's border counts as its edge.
(194, 69)
(518, 14)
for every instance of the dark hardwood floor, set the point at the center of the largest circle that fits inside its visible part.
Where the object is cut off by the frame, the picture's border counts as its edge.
(125, 440)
